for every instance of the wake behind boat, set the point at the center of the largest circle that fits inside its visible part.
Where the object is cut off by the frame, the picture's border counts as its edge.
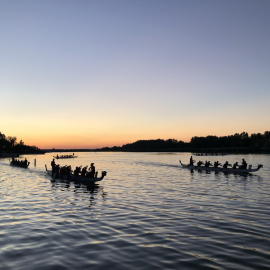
(226, 170)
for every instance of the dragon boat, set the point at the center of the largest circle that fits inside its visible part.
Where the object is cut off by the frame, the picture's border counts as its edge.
(78, 178)
(23, 165)
(228, 170)
(64, 157)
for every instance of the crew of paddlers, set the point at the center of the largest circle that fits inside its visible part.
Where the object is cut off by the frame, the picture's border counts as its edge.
(217, 164)
(211, 154)
(18, 162)
(65, 156)
(79, 171)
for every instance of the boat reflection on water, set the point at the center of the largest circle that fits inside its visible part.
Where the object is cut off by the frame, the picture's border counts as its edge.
(234, 175)
(80, 190)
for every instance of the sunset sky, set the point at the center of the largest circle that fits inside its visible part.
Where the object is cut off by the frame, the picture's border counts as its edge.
(96, 73)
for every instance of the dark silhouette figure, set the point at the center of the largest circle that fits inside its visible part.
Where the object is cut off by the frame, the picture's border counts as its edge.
(216, 164)
(191, 161)
(244, 165)
(84, 170)
(235, 165)
(207, 164)
(199, 163)
(53, 166)
(226, 164)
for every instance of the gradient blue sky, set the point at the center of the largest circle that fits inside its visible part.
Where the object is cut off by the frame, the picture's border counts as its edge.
(87, 74)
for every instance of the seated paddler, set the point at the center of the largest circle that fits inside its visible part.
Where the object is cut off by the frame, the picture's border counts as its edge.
(57, 168)
(77, 171)
(84, 170)
(226, 164)
(216, 164)
(235, 165)
(69, 171)
(207, 164)
(199, 163)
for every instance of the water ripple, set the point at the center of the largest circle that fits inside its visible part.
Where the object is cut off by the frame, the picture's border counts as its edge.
(148, 213)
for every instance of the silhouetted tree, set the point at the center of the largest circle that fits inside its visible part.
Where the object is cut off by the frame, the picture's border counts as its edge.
(9, 144)
(255, 142)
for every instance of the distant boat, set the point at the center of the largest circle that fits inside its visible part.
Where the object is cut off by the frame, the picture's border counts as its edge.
(228, 170)
(211, 154)
(73, 177)
(64, 157)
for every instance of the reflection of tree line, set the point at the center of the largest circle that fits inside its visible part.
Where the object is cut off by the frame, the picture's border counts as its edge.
(92, 189)
(9, 144)
(226, 174)
(232, 143)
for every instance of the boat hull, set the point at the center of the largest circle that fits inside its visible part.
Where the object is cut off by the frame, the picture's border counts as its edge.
(73, 177)
(65, 157)
(211, 169)
(20, 166)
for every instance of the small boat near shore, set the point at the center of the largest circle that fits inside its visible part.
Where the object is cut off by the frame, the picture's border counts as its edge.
(22, 165)
(78, 178)
(228, 170)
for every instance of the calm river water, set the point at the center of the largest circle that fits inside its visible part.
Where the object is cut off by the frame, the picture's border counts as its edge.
(147, 213)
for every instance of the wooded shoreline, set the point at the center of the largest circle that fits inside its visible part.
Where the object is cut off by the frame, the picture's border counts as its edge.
(9, 147)
(233, 144)
(213, 151)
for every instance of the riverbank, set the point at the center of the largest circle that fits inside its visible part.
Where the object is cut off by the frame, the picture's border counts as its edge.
(10, 155)
(211, 151)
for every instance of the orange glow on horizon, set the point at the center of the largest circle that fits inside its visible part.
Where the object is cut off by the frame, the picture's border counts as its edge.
(59, 143)
(60, 135)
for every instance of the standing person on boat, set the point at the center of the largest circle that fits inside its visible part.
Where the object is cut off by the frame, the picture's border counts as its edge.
(191, 161)
(226, 164)
(53, 165)
(93, 170)
(244, 164)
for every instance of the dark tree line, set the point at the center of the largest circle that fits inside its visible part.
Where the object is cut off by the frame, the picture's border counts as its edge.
(253, 143)
(154, 145)
(9, 144)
